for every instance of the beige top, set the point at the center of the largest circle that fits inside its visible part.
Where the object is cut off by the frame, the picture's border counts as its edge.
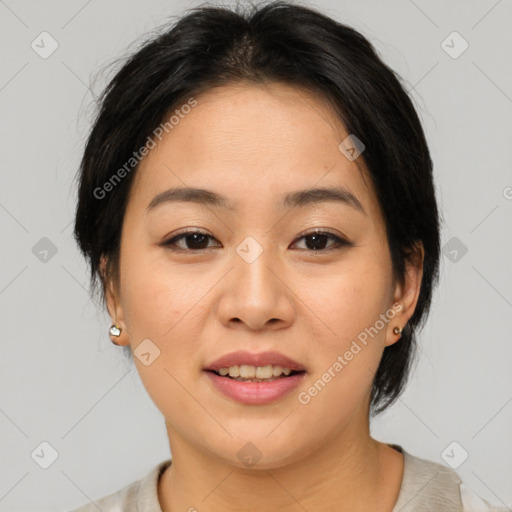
(426, 487)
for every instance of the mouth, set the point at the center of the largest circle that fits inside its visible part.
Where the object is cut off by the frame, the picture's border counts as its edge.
(255, 379)
(260, 367)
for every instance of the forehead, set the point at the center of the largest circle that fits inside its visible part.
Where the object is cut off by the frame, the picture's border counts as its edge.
(252, 143)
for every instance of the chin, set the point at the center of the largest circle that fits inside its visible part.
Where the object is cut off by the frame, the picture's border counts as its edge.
(254, 449)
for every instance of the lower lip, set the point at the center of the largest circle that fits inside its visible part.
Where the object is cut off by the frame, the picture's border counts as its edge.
(255, 393)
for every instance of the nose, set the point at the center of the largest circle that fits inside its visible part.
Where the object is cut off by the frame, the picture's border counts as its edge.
(255, 294)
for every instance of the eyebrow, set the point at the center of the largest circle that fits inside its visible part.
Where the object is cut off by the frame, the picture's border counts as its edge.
(299, 198)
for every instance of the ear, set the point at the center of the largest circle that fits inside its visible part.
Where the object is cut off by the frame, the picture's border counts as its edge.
(113, 303)
(406, 294)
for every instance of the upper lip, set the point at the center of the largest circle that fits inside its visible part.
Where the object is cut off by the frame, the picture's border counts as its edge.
(261, 359)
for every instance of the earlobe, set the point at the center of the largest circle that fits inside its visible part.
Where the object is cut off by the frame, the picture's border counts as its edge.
(117, 331)
(396, 324)
(407, 293)
(118, 335)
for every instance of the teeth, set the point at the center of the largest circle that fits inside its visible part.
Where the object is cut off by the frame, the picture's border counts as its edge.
(234, 371)
(277, 370)
(264, 372)
(246, 371)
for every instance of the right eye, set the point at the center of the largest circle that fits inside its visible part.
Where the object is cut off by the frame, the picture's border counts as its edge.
(196, 241)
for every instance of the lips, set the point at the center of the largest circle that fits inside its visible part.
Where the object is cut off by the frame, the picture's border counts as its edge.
(255, 393)
(261, 359)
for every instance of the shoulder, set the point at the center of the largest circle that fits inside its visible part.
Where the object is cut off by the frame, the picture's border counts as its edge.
(427, 486)
(471, 502)
(141, 495)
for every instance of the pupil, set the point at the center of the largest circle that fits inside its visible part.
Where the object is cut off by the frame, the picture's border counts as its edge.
(197, 239)
(315, 237)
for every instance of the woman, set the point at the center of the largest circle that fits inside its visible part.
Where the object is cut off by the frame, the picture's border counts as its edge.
(256, 198)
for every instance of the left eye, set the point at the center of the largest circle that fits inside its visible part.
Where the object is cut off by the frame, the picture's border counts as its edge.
(197, 240)
(318, 241)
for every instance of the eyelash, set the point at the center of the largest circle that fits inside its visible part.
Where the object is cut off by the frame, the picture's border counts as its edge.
(340, 242)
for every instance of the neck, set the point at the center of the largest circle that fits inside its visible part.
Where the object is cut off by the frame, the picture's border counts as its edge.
(351, 472)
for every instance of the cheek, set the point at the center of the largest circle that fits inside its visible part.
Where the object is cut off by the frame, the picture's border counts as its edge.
(348, 353)
(167, 305)
(160, 304)
(354, 299)
(351, 306)
(156, 294)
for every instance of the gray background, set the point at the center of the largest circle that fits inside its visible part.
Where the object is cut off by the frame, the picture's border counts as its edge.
(64, 383)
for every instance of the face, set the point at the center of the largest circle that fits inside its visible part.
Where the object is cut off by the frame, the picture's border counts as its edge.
(255, 278)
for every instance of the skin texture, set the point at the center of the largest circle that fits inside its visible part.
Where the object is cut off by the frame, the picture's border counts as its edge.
(254, 143)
